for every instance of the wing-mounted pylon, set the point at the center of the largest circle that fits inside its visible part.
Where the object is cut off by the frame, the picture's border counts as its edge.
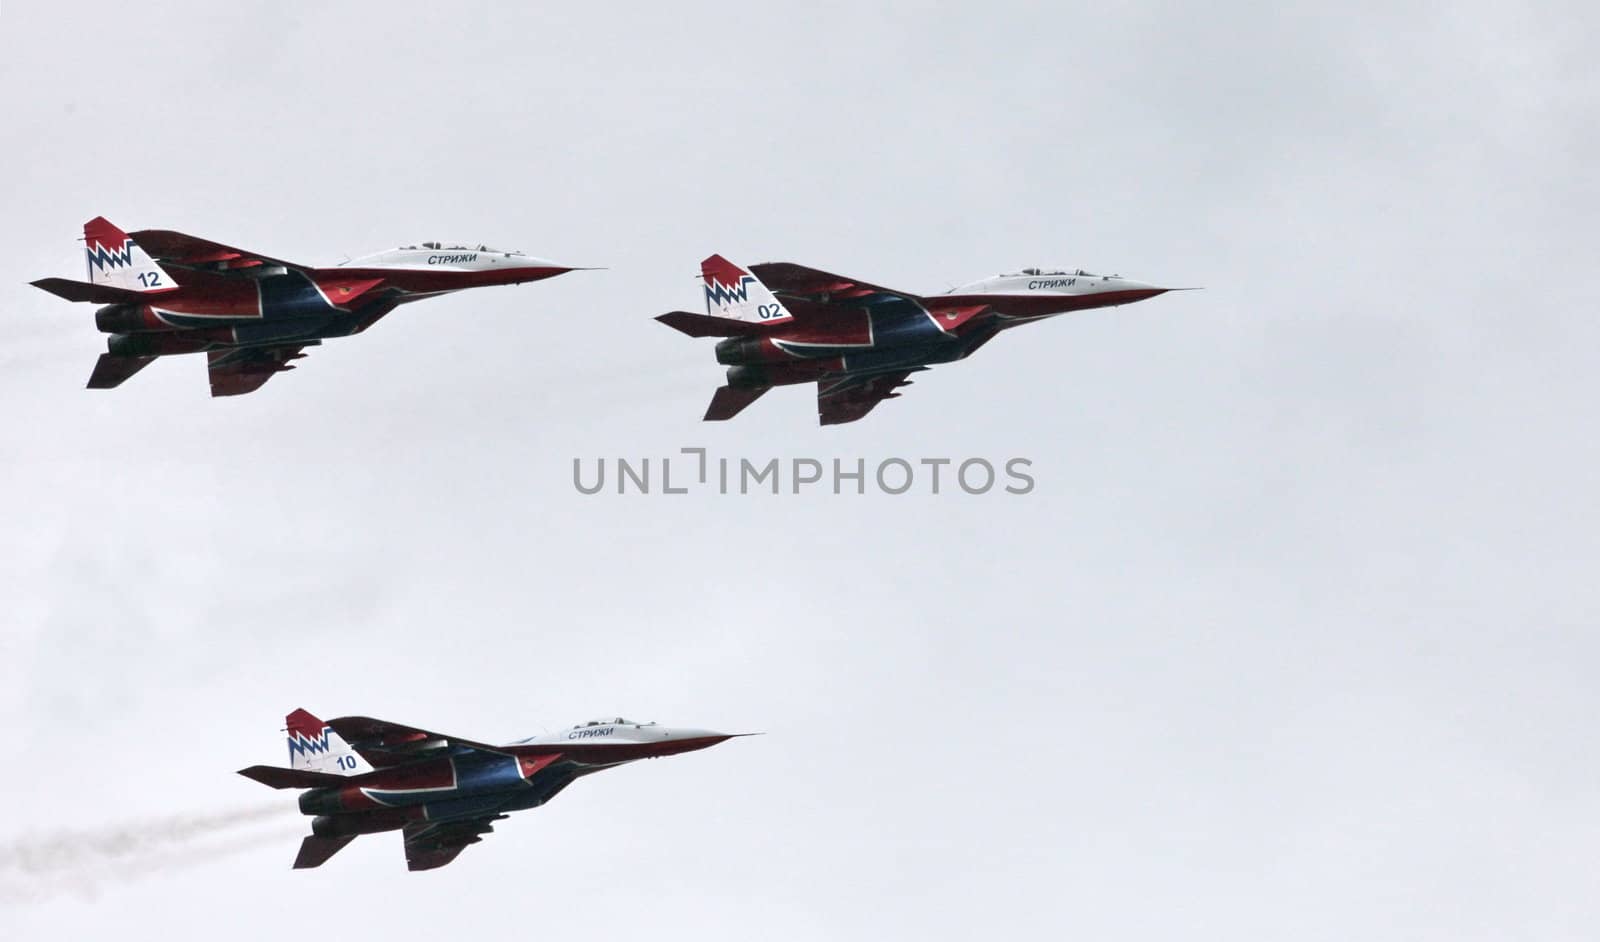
(240, 370)
(430, 845)
(848, 398)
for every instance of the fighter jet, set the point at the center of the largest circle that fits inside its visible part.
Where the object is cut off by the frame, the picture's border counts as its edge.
(365, 776)
(251, 314)
(787, 323)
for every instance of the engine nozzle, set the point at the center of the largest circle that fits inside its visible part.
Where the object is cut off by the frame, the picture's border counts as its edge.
(736, 350)
(128, 318)
(320, 801)
(749, 376)
(132, 345)
(349, 825)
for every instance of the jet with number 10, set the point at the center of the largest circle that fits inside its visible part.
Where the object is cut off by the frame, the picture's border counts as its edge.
(251, 314)
(786, 323)
(366, 776)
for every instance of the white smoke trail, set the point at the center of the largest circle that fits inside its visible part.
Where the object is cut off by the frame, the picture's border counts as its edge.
(81, 862)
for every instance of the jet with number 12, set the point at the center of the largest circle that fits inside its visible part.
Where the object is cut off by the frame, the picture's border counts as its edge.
(167, 293)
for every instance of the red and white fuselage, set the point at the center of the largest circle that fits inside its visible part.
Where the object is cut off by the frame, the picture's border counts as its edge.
(366, 776)
(168, 293)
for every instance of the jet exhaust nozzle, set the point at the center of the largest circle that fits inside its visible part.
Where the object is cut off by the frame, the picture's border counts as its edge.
(320, 801)
(749, 376)
(131, 345)
(738, 350)
(349, 825)
(126, 319)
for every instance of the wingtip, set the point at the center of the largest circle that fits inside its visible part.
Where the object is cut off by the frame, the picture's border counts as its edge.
(64, 288)
(263, 774)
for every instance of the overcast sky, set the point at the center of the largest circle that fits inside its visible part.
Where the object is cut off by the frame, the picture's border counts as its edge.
(1294, 637)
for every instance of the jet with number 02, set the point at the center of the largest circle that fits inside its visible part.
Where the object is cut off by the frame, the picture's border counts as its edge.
(366, 776)
(786, 323)
(251, 314)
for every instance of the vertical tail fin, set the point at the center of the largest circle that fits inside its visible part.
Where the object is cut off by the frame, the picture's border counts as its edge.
(734, 293)
(315, 747)
(118, 261)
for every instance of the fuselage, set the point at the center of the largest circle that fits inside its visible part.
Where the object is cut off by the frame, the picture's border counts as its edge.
(870, 331)
(211, 309)
(1034, 293)
(467, 782)
(435, 268)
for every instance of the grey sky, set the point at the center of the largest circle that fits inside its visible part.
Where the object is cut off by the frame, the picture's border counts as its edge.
(1295, 635)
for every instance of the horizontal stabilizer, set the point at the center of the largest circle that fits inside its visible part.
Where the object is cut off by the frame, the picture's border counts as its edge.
(111, 370)
(99, 294)
(706, 325)
(274, 777)
(315, 851)
(731, 400)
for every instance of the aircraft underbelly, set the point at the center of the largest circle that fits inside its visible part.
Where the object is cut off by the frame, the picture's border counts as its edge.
(278, 331)
(472, 806)
(898, 358)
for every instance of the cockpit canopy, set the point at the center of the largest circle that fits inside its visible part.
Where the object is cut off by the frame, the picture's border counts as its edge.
(1034, 272)
(611, 721)
(441, 247)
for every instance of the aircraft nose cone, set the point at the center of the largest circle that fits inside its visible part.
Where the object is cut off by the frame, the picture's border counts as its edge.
(698, 734)
(691, 739)
(1132, 290)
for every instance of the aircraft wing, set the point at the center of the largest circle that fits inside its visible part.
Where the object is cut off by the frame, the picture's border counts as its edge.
(431, 845)
(384, 744)
(848, 398)
(187, 251)
(241, 370)
(787, 278)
